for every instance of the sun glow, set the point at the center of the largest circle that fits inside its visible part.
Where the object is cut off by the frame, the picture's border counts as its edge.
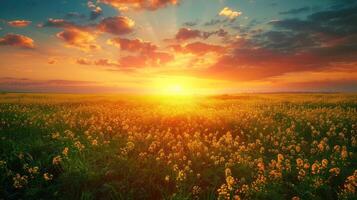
(174, 86)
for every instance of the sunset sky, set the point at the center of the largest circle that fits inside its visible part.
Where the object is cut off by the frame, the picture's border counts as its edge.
(163, 46)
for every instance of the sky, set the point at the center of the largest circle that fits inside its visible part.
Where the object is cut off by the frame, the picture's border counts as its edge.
(178, 46)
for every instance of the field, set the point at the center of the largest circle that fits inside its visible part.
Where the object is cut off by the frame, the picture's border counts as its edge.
(261, 146)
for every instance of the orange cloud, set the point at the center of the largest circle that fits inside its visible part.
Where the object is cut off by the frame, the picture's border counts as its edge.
(133, 61)
(83, 61)
(118, 25)
(19, 23)
(135, 45)
(106, 62)
(17, 40)
(160, 57)
(139, 4)
(100, 62)
(151, 59)
(79, 39)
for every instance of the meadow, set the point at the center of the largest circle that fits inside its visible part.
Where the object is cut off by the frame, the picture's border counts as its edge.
(249, 146)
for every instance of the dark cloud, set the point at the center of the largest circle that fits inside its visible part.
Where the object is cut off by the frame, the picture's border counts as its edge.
(187, 34)
(146, 53)
(320, 32)
(17, 40)
(198, 48)
(61, 86)
(75, 15)
(295, 11)
(190, 24)
(285, 41)
(213, 22)
(316, 43)
(134, 45)
(343, 85)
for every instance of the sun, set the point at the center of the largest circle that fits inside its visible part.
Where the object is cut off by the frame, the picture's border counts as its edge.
(175, 89)
(176, 86)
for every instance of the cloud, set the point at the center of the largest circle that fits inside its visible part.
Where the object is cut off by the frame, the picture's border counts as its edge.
(249, 61)
(106, 62)
(199, 48)
(77, 38)
(99, 62)
(135, 45)
(213, 22)
(295, 11)
(124, 5)
(138, 61)
(319, 42)
(319, 32)
(82, 37)
(59, 23)
(61, 86)
(83, 61)
(52, 61)
(17, 40)
(341, 85)
(75, 15)
(96, 11)
(190, 24)
(118, 25)
(146, 53)
(19, 23)
(187, 34)
(159, 58)
(151, 59)
(231, 14)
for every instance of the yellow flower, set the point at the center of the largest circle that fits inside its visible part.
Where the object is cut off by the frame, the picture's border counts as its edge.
(335, 171)
(65, 151)
(167, 178)
(228, 172)
(20, 181)
(57, 160)
(47, 176)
